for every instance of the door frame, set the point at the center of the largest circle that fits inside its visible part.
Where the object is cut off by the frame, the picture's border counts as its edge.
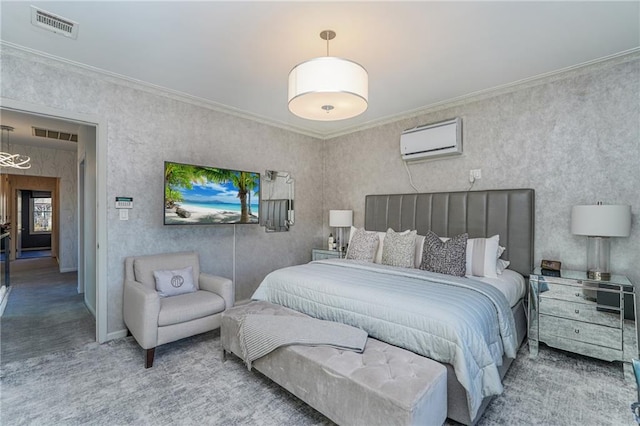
(100, 251)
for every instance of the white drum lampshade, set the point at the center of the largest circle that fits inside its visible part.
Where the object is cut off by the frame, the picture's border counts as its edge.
(600, 222)
(328, 88)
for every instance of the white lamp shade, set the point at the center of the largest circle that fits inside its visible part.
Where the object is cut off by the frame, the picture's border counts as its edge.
(340, 218)
(328, 89)
(601, 220)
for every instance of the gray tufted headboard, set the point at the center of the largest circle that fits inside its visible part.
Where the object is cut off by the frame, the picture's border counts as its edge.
(507, 212)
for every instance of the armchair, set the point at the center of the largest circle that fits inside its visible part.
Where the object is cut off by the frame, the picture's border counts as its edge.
(155, 320)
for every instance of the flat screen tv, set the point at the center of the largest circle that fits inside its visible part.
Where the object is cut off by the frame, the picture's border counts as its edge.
(199, 195)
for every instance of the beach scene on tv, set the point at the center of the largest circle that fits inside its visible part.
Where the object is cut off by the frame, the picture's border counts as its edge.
(209, 195)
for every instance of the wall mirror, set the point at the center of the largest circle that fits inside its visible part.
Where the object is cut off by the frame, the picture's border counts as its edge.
(277, 211)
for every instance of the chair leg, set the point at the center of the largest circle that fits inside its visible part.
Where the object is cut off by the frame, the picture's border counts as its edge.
(149, 358)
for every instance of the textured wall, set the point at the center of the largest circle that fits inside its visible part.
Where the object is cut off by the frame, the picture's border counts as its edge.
(574, 138)
(60, 164)
(145, 128)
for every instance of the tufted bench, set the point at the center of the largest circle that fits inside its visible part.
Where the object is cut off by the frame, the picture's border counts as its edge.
(384, 385)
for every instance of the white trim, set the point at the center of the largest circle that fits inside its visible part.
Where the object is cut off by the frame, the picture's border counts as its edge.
(619, 57)
(63, 270)
(101, 223)
(117, 335)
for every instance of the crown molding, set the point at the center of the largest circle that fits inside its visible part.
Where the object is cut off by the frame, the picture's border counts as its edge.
(589, 66)
(176, 95)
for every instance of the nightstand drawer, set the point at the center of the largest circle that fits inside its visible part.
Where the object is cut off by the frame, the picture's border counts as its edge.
(569, 293)
(580, 331)
(586, 312)
(582, 348)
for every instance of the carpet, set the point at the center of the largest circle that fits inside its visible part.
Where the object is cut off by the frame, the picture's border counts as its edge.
(44, 313)
(189, 384)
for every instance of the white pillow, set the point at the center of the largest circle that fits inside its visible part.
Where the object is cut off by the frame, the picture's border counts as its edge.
(482, 256)
(501, 265)
(174, 282)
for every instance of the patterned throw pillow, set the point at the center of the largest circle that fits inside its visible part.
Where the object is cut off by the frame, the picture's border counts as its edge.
(174, 282)
(399, 248)
(363, 245)
(445, 257)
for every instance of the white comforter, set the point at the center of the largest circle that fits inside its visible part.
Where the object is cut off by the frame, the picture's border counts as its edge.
(460, 321)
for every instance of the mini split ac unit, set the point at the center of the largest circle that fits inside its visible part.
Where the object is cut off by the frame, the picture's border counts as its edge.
(432, 140)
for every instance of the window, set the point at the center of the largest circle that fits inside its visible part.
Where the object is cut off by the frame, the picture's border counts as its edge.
(41, 215)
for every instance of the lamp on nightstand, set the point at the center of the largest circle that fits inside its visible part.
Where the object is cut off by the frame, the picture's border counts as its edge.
(599, 222)
(340, 219)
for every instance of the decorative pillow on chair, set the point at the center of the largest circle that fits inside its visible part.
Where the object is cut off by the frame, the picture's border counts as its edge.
(362, 245)
(445, 257)
(174, 282)
(399, 248)
(482, 256)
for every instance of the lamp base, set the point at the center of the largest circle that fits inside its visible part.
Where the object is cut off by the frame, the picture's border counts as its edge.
(599, 275)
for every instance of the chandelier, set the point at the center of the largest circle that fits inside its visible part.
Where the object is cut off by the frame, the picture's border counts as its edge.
(15, 161)
(328, 88)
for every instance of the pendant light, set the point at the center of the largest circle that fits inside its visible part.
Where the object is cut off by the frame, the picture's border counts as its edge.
(15, 161)
(328, 88)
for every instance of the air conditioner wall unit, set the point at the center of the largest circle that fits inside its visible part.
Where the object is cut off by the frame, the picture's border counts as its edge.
(432, 140)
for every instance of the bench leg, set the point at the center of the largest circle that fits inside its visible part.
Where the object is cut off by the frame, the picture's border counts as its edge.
(224, 355)
(149, 358)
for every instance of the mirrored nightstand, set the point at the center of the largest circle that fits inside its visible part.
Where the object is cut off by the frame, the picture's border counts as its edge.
(592, 318)
(319, 254)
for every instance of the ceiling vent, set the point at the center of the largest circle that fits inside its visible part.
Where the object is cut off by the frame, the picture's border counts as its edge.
(55, 134)
(55, 23)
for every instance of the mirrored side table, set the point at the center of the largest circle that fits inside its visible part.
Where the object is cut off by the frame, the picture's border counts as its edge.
(592, 318)
(319, 254)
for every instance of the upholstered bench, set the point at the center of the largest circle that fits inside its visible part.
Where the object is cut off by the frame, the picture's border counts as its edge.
(384, 385)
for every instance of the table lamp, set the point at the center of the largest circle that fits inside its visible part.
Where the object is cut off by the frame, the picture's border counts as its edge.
(600, 222)
(340, 219)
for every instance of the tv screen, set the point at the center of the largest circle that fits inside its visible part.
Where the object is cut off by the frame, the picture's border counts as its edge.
(199, 195)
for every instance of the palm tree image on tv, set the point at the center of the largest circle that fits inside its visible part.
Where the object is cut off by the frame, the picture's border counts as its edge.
(210, 195)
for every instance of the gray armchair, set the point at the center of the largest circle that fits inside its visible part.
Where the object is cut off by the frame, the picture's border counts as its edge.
(155, 320)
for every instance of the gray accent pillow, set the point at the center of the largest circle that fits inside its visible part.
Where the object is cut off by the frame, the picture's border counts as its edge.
(363, 245)
(445, 257)
(174, 282)
(399, 248)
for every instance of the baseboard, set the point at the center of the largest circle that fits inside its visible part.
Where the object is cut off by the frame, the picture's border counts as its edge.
(63, 270)
(116, 335)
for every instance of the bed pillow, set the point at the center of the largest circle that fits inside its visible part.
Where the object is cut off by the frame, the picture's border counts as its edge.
(174, 282)
(362, 245)
(482, 256)
(445, 257)
(399, 248)
(501, 265)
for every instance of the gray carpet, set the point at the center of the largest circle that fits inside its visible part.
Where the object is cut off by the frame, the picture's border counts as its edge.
(107, 385)
(52, 373)
(44, 314)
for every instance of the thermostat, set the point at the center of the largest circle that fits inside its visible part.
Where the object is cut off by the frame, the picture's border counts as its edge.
(124, 202)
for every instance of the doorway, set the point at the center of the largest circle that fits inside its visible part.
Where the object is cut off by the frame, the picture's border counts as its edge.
(93, 266)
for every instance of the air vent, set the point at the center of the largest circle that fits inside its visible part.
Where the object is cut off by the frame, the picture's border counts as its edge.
(55, 23)
(55, 134)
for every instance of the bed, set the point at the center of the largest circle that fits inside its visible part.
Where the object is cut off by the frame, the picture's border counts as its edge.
(469, 324)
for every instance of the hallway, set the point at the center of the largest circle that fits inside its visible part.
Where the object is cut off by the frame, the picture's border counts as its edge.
(44, 314)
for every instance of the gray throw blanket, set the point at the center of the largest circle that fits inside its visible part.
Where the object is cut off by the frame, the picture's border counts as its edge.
(262, 334)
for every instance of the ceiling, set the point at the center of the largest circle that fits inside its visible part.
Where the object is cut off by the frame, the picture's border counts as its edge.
(236, 56)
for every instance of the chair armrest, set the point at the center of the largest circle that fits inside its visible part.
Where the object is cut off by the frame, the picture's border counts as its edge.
(141, 306)
(221, 286)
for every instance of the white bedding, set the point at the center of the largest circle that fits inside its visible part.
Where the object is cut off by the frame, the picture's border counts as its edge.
(510, 283)
(463, 322)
